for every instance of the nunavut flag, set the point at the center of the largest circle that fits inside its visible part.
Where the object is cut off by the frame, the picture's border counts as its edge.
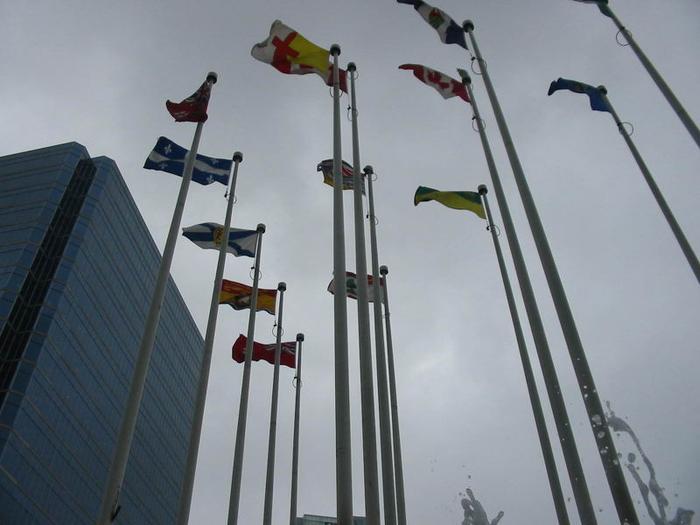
(265, 352)
(292, 54)
(239, 295)
(447, 86)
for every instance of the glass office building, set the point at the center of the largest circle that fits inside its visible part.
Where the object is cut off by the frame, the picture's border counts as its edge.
(77, 270)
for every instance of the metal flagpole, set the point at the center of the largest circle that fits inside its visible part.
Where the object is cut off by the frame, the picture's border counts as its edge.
(657, 78)
(343, 452)
(270, 477)
(555, 486)
(295, 439)
(537, 328)
(594, 409)
(183, 514)
(245, 387)
(398, 459)
(110, 498)
(388, 473)
(369, 436)
(675, 227)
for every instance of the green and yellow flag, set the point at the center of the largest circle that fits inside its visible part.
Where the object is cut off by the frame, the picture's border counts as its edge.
(458, 200)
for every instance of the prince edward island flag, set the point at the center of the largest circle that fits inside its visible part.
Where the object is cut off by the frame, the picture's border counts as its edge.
(170, 157)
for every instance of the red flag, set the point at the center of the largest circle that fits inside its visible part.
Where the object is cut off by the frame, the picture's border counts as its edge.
(265, 352)
(447, 86)
(193, 108)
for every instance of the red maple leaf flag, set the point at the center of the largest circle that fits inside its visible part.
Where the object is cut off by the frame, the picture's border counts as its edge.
(447, 86)
(193, 108)
(265, 352)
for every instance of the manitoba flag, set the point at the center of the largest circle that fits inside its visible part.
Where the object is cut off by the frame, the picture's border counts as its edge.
(265, 352)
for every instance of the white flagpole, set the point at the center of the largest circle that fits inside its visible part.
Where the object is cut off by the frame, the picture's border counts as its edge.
(295, 439)
(396, 435)
(392, 509)
(665, 209)
(369, 436)
(538, 334)
(270, 477)
(658, 79)
(110, 498)
(343, 452)
(555, 487)
(608, 454)
(183, 514)
(245, 388)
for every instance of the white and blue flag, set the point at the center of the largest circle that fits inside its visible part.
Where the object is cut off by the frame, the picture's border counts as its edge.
(170, 157)
(209, 235)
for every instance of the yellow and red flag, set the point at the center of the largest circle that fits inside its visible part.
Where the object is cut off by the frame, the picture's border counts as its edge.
(238, 296)
(292, 54)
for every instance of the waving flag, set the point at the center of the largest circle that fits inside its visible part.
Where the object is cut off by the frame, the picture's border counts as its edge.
(209, 235)
(447, 86)
(351, 285)
(457, 200)
(170, 157)
(193, 108)
(449, 31)
(238, 296)
(594, 94)
(265, 352)
(292, 54)
(326, 166)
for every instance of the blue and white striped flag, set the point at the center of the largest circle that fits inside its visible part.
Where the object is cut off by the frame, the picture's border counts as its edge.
(170, 157)
(209, 235)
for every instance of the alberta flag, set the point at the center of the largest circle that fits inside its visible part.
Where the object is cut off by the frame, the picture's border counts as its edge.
(209, 235)
(170, 157)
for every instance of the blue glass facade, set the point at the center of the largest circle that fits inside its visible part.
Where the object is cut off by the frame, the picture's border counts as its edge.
(77, 269)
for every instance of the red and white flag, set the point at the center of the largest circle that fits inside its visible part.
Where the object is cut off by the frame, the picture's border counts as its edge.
(447, 86)
(265, 352)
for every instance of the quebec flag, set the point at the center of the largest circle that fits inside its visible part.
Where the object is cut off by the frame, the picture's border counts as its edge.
(170, 157)
(209, 236)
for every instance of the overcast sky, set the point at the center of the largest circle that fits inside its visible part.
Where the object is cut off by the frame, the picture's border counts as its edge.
(99, 73)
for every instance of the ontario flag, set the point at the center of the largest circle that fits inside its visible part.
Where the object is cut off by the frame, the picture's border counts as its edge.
(265, 352)
(193, 108)
(447, 86)
(292, 54)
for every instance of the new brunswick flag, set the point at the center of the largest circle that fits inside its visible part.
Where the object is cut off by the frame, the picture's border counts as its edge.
(458, 200)
(238, 296)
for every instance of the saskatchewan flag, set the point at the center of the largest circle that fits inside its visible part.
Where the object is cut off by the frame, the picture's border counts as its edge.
(458, 200)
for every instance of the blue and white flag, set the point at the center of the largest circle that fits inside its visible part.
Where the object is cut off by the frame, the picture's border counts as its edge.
(449, 31)
(170, 157)
(209, 235)
(595, 95)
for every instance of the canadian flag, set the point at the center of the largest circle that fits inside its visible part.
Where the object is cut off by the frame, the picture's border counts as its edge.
(447, 86)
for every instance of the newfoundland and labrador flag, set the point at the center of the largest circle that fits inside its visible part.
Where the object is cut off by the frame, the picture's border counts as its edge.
(326, 166)
(448, 30)
(209, 235)
(594, 94)
(447, 86)
(292, 54)
(457, 200)
(238, 296)
(193, 108)
(265, 352)
(170, 157)
(351, 285)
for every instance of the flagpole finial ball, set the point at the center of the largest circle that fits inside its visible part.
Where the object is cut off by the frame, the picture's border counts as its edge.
(383, 269)
(483, 190)
(238, 156)
(212, 76)
(335, 49)
(369, 170)
(603, 89)
(468, 25)
(352, 67)
(300, 337)
(261, 228)
(282, 286)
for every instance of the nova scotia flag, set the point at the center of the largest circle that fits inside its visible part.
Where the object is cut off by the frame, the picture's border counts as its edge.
(170, 157)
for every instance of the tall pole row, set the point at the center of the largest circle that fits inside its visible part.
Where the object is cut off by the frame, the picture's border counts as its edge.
(295, 438)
